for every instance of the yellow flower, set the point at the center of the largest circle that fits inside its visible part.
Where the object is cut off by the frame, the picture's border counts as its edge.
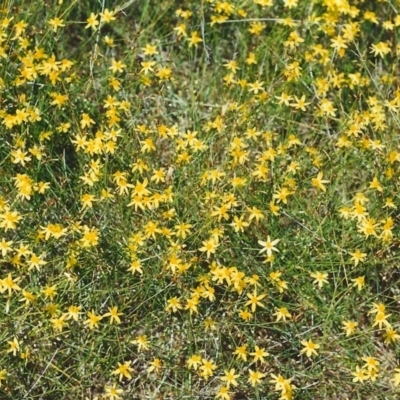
(358, 256)
(149, 50)
(93, 320)
(209, 246)
(381, 49)
(117, 66)
(241, 352)
(14, 346)
(112, 392)
(207, 368)
(255, 377)
(113, 314)
(3, 374)
(92, 21)
(282, 313)
(396, 377)
(318, 182)
(107, 16)
(56, 23)
(230, 378)
(299, 104)
(320, 278)
(259, 354)
(194, 361)
(310, 348)
(194, 39)
(268, 246)
(155, 365)
(360, 375)
(142, 342)
(123, 370)
(255, 300)
(359, 282)
(349, 327)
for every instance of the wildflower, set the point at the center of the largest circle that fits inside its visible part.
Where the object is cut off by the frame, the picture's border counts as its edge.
(256, 28)
(349, 327)
(112, 392)
(358, 256)
(93, 320)
(180, 30)
(239, 224)
(73, 312)
(9, 220)
(123, 370)
(241, 352)
(282, 313)
(10, 284)
(255, 377)
(194, 39)
(209, 246)
(300, 103)
(223, 393)
(230, 378)
(113, 314)
(255, 300)
(245, 315)
(389, 203)
(371, 363)
(320, 278)
(192, 304)
(396, 377)
(318, 182)
(207, 368)
(281, 195)
(174, 305)
(251, 59)
(92, 21)
(310, 348)
(182, 230)
(28, 297)
(381, 49)
(338, 43)
(359, 282)
(87, 200)
(359, 375)
(56, 23)
(58, 323)
(281, 383)
(86, 121)
(149, 50)
(381, 319)
(108, 41)
(5, 247)
(259, 354)
(14, 346)
(90, 237)
(142, 342)
(155, 365)
(268, 246)
(107, 16)
(367, 227)
(3, 374)
(391, 336)
(256, 87)
(117, 66)
(194, 361)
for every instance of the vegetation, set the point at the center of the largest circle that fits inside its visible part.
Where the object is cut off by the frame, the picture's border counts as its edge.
(199, 199)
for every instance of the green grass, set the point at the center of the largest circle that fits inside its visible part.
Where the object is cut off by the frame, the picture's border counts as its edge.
(205, 130)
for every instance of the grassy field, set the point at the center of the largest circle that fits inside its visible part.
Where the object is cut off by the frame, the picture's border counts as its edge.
(199, 199)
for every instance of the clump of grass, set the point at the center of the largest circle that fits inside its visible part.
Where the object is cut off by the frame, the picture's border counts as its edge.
(199, 200)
